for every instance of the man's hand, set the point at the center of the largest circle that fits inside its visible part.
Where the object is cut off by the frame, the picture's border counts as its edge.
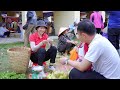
(62, 60)
(76, 43)
(76, 48)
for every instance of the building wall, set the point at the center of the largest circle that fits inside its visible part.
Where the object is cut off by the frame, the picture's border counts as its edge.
(63, 19)
(39, 13)
(10, 13)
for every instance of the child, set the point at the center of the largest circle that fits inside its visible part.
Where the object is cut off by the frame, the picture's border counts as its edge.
(64, 42)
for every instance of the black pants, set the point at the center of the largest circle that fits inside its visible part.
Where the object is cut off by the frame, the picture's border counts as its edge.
(76, 74)
(113, 36)
(42, 55)
(67, 46)
(98, 30)
(7, 34)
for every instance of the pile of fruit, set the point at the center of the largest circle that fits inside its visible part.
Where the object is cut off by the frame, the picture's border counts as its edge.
(57, 75)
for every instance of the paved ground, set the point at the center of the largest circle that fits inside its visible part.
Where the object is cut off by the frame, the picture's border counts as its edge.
(13, 39)
(10, 40)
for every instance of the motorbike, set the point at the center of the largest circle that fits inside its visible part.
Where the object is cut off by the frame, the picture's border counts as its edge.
(71, 32)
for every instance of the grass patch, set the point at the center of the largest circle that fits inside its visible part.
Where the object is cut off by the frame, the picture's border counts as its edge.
(4, 65)
(4, 61)
(11, 75)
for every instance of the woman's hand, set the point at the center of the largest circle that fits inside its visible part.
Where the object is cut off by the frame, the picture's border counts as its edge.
(44, 41)
(50, 40)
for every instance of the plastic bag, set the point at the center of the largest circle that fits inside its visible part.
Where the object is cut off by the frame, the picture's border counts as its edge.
(73, 54)
(25, 26)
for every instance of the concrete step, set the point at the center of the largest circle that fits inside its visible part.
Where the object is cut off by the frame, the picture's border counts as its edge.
(16, 35)
(53, 37)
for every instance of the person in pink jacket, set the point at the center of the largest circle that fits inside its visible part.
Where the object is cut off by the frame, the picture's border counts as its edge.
(97, 19)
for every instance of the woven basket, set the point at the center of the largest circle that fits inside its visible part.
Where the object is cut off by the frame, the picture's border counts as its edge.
(19, 59)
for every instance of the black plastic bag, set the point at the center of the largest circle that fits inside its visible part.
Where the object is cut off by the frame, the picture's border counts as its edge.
(25, 26)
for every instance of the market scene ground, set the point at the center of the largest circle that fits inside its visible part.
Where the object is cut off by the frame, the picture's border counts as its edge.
(64, 38)
(6, 43)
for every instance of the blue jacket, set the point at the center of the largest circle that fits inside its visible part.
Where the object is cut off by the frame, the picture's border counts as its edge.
(31, 17)
(114, 19)
(72, 27)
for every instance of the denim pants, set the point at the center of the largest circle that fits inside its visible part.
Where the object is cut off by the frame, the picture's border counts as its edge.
(113, 36)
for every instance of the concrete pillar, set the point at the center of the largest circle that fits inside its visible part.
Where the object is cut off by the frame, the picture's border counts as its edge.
(24, 19)
(77, 16)
(65, 18)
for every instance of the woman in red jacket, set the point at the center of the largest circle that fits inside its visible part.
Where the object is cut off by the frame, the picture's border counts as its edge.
(38, 41)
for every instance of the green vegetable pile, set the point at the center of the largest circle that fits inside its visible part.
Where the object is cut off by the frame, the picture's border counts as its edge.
(57, 75)
(11, 75)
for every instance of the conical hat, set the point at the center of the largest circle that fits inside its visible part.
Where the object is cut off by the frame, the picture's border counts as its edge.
(62, 29)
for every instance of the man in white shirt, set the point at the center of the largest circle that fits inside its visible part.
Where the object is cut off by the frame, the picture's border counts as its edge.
(101, 54)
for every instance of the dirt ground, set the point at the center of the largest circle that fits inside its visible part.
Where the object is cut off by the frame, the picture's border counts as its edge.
(58, 66)
(4, 60)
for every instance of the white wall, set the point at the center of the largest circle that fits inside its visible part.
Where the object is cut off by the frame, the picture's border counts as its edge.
(61, 19)
(77, 16)
(24, 19)
(65, 18)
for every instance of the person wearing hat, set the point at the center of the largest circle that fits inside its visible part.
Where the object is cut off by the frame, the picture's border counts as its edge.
(101, 54)
(3, 31)
(38, 41)
(64, 42)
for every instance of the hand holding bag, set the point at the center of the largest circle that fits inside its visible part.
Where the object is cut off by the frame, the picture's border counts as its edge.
(25, 26)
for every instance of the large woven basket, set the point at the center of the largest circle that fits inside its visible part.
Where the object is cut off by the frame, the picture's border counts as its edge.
(19, 59)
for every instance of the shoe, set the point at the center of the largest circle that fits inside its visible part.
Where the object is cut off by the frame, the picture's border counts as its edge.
(37, 68)
(42, 74)
(51, 67)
